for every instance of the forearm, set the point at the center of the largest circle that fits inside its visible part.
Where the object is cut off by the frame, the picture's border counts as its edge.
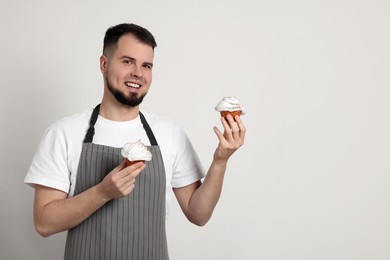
(54, 212)
(64, 213)
(199, 200)
(205, 198)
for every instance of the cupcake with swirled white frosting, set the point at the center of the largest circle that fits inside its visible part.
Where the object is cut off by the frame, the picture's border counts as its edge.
(230, 106)
(135, 152)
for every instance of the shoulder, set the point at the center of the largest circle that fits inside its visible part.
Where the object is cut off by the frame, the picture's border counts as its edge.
(72, 123)
(68, 130)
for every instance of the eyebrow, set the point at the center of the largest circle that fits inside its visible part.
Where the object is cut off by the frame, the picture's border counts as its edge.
(131, 58)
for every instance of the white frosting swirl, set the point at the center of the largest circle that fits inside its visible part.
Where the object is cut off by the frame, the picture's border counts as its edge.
(136, 152)
(229, 104)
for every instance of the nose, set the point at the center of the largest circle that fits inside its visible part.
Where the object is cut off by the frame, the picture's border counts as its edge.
(136, 72)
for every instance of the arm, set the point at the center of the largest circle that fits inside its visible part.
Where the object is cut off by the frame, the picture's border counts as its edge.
(54, 212)
(198, 200)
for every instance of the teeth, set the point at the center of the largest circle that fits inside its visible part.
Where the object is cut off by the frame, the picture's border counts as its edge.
(132, 85)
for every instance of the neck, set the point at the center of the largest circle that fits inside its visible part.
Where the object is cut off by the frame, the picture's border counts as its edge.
(116, 111)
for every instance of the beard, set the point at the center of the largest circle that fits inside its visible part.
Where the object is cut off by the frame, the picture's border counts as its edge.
(132, 100)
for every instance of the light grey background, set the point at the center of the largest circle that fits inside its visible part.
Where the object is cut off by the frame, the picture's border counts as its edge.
(311, 182)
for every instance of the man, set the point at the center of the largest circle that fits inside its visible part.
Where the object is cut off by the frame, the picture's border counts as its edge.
(82, 184)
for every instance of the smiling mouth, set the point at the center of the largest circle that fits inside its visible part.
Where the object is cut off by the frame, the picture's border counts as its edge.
(132, 85)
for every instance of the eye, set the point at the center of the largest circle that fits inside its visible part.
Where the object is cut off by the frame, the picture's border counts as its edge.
(148, 66)
(127, 61)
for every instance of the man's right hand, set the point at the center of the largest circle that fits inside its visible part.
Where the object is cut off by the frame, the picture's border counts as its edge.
(120, 181)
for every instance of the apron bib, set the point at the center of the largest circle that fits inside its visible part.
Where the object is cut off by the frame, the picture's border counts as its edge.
(132, 227)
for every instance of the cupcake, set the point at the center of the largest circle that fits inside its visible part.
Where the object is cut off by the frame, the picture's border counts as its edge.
(135, 152)
(230, 106)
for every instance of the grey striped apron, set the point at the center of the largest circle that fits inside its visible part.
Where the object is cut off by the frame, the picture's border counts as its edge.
(132, 227)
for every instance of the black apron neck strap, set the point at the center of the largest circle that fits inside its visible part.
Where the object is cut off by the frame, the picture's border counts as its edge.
(91, 130)
(148, 130)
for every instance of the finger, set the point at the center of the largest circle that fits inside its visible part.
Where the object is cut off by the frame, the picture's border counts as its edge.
(230, 120)
(239, 122)
(129, 182)
(133, 169)
(120, 166)
(129, 189)
(232, 130)
(129, 179)
(225, 123)
(235, 128)
(241, 127)
(138, 168)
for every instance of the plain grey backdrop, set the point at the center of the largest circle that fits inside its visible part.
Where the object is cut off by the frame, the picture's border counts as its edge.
(312, 180)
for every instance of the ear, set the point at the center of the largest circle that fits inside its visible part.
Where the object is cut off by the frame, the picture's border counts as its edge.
(103, 64)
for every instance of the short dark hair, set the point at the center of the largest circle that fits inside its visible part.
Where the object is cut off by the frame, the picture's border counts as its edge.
(115, 32)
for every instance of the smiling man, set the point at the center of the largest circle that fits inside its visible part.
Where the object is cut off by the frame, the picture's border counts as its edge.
(82, 185)
(116, 63)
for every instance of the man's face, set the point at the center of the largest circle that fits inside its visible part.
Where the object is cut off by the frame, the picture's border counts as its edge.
(127, 70)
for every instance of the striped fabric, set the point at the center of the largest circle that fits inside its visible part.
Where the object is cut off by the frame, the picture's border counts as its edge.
(132, 227)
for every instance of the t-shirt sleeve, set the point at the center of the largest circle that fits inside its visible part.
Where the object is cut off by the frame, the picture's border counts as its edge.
(49, 165)
(187, 167)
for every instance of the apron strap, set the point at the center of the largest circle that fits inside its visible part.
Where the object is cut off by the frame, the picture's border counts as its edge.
(91, 130)
(148, 130)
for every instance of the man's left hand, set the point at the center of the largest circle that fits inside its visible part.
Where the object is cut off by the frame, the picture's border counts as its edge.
(232, 138)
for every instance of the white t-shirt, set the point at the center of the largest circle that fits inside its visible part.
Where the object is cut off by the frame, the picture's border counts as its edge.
(56, 160)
